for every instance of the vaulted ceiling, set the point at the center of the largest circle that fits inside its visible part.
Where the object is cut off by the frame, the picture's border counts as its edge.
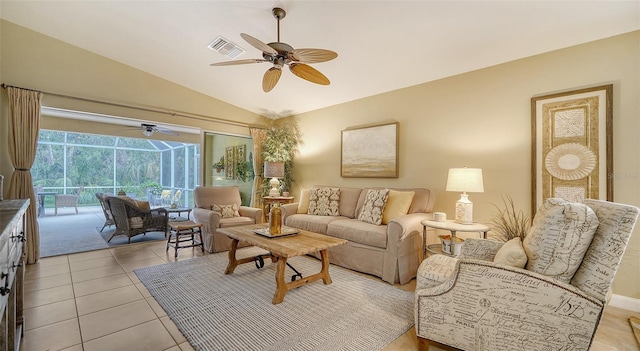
(381, 45)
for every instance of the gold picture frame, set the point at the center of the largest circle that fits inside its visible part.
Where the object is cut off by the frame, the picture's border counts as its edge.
(229, 162)
(572, 150)
(370, 152)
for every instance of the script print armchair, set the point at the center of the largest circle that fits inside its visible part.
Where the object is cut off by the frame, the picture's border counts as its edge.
(68, 200)
(219, 207)
(131, 219)
(472, 303)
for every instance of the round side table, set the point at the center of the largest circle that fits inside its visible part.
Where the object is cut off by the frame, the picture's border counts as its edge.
(451, 226)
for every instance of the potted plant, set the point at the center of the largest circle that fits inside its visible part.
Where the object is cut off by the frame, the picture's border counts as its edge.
(510, 223)
(280, 145)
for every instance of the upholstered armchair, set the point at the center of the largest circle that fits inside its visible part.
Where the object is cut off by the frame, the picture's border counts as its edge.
(132, 219)
(480, 301)
(108, 216)
(219, 207)
(68, 200)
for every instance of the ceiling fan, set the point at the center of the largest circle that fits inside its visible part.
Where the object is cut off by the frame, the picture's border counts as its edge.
(149, 129)
(280, 54)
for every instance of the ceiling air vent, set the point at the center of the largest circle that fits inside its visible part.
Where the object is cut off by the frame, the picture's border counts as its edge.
(226, 47)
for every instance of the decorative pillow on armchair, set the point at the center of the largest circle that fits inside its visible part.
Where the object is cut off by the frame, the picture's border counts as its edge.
(324, 201)
(373, 206)
(226, 211)
(559, 237)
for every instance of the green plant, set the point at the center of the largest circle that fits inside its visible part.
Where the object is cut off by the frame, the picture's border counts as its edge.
(509, 223)
(280, 145)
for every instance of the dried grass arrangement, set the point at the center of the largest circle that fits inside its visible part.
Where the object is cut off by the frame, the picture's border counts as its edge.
(509, 223)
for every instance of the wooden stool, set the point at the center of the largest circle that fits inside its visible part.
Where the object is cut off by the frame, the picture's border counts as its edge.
(184, 231)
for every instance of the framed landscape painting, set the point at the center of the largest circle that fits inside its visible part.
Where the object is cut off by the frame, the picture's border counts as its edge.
(572, 136)
(370, 152)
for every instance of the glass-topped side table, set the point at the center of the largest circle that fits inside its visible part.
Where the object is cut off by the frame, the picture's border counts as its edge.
(451, 226)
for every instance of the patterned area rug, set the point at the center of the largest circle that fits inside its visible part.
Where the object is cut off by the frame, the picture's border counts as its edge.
(234, 312)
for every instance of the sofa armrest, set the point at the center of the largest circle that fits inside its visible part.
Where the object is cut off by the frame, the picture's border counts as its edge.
(401, 227)
(288, 210)
(208, 218)
(251, 212)
(474, 303)
(480, 249)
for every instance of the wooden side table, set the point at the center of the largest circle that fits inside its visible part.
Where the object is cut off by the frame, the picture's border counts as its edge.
(268, 201)
(451, 226)
(182, 232)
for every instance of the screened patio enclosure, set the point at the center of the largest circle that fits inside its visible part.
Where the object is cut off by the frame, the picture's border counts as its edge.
(142, 168)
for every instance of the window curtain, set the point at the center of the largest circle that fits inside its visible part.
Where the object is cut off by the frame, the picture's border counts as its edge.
(24, 124)
(258, 136)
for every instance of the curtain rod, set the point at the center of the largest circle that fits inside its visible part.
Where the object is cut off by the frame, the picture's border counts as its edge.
(146, 109)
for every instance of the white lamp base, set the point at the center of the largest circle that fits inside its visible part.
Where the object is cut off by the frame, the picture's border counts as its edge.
(464, 210)
(274, 192)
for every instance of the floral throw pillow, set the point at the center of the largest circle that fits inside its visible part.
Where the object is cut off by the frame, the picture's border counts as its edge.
(324, 201)
(226, 211)
(373, 207)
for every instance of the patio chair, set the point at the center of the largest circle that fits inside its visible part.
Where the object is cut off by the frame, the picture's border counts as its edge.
(108, 216)
(131, 219)
(67, 200)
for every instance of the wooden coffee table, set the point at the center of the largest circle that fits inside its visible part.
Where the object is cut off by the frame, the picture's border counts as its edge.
(281, 249)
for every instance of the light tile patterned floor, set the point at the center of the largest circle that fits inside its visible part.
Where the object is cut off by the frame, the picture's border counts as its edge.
(93, 301)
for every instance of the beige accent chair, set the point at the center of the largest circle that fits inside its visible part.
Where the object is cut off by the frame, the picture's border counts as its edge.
(205, 198)
(473, 303)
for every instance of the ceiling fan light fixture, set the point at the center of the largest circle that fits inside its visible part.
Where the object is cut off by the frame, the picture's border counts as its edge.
(280, 54)
(147, 132)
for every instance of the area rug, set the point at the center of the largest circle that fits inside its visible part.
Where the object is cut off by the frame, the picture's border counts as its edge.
(123, 239)
(234, 312)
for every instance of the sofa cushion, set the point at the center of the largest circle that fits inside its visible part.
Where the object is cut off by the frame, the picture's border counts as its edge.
(559, 236)
(303, 203)
(226, 211)
(143, 205)
(398, 204)
(511, 254)
(374, 206)
(359, 232)
(324, 201)
(312, 223)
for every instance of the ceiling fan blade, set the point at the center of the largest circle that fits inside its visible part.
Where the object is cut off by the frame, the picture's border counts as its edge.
(165, 131)
(256, 43)
(313, 55)
(271, 77)
(309, 73)
(238, 62)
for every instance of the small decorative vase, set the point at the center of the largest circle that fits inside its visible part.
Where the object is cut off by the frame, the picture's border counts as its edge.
(275, 219)
(121, 193)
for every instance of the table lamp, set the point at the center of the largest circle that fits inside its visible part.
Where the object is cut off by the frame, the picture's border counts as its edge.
(465, 180)
(274, 170)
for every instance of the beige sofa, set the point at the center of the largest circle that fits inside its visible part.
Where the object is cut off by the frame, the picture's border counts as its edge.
(205, 198)
(392, 252)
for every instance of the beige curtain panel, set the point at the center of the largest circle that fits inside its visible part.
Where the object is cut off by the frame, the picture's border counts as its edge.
(258, 136)
(24, 124)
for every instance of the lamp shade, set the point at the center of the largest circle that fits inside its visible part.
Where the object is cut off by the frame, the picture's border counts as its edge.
(274, 169)
(465, 180)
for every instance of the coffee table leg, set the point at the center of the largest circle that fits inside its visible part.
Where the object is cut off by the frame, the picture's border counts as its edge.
(281, 286)
(232, 257)
(324, 255)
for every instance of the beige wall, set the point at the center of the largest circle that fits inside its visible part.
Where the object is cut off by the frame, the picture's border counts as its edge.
(483, 119)
(32, 60)
(479, 119)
